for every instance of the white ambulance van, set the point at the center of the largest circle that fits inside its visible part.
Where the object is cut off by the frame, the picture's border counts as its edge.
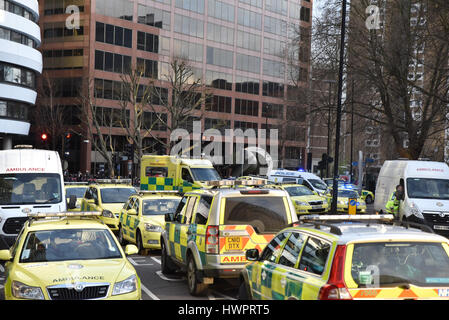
(426, 191)
(310, 180)
(31, 180)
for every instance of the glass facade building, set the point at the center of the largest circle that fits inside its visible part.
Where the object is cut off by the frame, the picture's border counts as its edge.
(244, 52)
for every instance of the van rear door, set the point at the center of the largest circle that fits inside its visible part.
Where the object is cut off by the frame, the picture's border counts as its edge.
(250, 220)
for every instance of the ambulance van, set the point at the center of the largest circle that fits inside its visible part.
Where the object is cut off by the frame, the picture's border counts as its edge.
(426, 191)
(31, 181)
(174, 173)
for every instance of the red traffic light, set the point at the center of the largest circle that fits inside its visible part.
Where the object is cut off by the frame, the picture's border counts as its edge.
(44, 136)
(68, 135)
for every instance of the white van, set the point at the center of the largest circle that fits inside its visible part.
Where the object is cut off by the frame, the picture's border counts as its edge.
(426, 191)
(310, 180)
(31, 180)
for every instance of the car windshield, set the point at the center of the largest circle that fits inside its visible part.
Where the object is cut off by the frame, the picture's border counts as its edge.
(298, 191)
(156, 207)
(318, 184)
(205, 174)
(348, 194)
(267, 214)
(396, 263)
(69, 244)
(78, 192)
(116, 195)
(30, 188)
(423, 188)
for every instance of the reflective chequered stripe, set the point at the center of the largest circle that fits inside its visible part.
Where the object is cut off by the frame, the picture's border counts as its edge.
(399, 293)
(158, 183)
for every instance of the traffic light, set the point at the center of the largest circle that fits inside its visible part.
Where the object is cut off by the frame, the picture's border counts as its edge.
(325, 160)
(129, 150)
(44, 137)
(67, 144)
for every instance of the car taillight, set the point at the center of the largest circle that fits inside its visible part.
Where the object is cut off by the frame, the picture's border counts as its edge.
(336, 289)
(212, 239)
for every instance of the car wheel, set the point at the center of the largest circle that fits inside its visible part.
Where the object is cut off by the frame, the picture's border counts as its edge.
(243, 291)
(369, 199)
(121, 238)
(139, 243)
(166, 263)
(195, 287)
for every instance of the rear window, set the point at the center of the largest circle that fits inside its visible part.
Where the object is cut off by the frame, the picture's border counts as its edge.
(266, 214)
(391, 264)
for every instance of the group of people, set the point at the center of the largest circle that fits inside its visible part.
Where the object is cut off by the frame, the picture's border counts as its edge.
(89, 177)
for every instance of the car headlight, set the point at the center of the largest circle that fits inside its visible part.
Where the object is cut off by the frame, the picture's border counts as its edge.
(414, 210)
(152, 228)
(301, 203)
(343, 202)
(126, 286)
(20, 290)
(107, 214)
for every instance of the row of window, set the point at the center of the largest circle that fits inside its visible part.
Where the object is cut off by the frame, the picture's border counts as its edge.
(17, 9)
(247, 107)
(122, 9)
(52, 7)
(115, 35)
(59, 30)
(14, 110)
(63, 87)
(112, 62)
(17, 75)
(153, 17)
(153, 69)
(16, 37)
(63, 59)
(111, 117)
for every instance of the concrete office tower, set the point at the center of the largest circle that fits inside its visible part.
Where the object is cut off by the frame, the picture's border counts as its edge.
(237, 48)
(20, 63)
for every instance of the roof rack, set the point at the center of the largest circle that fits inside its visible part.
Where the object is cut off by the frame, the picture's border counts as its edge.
(407, 224)
(333, 229)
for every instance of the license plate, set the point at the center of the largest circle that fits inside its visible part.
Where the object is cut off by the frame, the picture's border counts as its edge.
(317, 207)
(441, 227)
(233, 243)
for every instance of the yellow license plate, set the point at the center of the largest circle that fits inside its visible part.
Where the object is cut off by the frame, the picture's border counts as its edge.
(233, 243)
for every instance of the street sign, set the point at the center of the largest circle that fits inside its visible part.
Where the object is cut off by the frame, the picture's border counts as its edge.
(352, 206)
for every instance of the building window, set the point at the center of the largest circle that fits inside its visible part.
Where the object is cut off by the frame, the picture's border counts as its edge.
(221, 10)
(219, 104)
(17, 75)
(247, 63)
(112, 62)
(249, 18)
(16, 37)
(219, 57)
(14, 110)
(189, 26)
(153, 17)
(122, 9)
(247, 107)
(188, 50)
(273, 89)
(247, 85)
(219, 80)
(191, 5)
(113, 35)
(17, 9)
(274, 111)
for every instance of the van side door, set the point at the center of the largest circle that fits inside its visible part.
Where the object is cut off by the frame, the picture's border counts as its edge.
(184, 228)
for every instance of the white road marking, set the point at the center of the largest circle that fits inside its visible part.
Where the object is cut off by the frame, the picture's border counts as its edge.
(163, 277)
(1, 268)
(156, 259)
(137, 263)
(224, 297)
(1, 286)
(149, 293)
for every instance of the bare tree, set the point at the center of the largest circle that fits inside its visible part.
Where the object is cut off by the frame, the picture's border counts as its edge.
(187, 95)
(99, 125)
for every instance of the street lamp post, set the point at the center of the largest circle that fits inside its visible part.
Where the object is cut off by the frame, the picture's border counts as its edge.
(339, 106)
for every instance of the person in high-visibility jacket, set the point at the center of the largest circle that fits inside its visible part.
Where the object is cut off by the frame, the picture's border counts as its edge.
(393, 205)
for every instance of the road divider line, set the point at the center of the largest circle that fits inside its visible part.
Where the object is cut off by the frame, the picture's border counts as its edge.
(149, 293)
(224, 297)
(137, 264)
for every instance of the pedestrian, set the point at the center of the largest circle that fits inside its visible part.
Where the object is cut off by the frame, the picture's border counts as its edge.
(393, 205)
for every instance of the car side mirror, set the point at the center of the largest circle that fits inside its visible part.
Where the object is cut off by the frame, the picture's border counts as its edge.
(131, 249)
(252, 255)
(72, 202)
(5, 255)
(132, 212)
(169, 217)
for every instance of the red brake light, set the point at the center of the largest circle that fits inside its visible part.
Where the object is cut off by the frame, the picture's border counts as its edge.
(336, 289)
(254, 191)
(212, 239)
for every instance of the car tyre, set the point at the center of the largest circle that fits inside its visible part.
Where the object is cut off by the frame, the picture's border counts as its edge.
(167, 266)
(243, 292)
(139, 243)
(121, 238)
(369, 199)
(196, 288)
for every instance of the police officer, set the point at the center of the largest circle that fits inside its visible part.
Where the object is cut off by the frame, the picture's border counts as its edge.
(393, 205)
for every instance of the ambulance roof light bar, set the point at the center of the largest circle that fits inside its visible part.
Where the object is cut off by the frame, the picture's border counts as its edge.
(74, 183)
(113, 181)
(38, 215)
(224, 183)
(143, 192)
(345, 217)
